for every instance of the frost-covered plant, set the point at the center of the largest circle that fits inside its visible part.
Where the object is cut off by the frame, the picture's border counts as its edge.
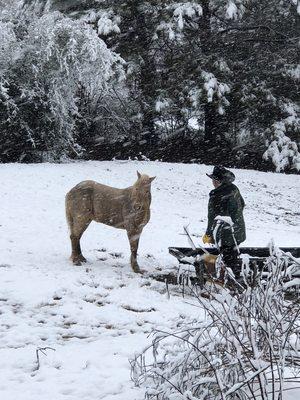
(55, 58)
(247, 347)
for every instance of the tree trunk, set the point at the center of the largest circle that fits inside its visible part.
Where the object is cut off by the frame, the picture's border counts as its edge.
(213, 136)
(147, 82)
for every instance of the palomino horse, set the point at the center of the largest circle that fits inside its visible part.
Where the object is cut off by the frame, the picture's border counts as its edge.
(127, 209)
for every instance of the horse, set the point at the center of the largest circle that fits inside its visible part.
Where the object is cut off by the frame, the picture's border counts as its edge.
(127, 209)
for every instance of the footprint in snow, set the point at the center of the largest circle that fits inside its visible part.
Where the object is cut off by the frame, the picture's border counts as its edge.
(149, 256)
(116, 255)
(101, 258)
(5, 266)
(137, 309)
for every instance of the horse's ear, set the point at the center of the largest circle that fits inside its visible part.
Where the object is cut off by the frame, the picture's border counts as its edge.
(152, 178)
(138, 174)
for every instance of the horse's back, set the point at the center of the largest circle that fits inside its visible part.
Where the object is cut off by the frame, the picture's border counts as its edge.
(104, 203)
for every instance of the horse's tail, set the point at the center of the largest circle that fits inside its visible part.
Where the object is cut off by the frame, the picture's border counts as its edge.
(69, 215)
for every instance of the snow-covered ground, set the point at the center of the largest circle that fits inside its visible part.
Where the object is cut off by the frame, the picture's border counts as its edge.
(97, 316)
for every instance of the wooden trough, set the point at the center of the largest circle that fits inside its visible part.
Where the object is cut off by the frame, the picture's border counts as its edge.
(197, 270)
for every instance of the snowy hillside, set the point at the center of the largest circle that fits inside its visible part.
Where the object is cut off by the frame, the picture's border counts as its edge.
(97, 316)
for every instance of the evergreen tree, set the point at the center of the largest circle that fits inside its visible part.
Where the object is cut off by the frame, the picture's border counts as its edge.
(209, 80)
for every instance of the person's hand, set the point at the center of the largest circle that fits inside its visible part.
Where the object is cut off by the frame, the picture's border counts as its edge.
(207, 239)
(209, 258)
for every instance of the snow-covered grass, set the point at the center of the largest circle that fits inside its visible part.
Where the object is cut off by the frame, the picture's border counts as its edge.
(98, 315)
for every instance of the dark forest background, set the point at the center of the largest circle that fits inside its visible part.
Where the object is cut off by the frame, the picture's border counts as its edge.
(207, 81)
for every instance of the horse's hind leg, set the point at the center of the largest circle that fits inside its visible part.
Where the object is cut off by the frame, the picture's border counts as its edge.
(134, 238)
(77, 229)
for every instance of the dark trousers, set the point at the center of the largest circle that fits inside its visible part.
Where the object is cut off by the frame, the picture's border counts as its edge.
(230, 258)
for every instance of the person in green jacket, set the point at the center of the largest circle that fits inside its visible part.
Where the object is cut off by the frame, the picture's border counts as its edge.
(226, 225)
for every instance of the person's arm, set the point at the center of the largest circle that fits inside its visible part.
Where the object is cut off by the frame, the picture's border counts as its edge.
(232, 206)
(235, 201)
(210, 218)
(242, 200)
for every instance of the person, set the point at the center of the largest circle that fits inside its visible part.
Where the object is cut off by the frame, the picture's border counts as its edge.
(226, 225)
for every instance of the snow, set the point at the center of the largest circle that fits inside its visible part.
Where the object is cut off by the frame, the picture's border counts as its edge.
(188, 9)
(108, 23)
(161, 105)
(232, 11)
(97, 316)
(293, 282)
(225, 219)
(282, 150)
(214, 88)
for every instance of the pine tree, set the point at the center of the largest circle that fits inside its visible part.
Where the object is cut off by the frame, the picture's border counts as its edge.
(209, 80)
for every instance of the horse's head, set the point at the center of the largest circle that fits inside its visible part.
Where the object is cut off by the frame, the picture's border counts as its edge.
(143, 185)
(144, 180)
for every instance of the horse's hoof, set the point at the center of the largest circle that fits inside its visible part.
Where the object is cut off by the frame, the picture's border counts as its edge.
(78, 260)
(142, 271)
(137, 270)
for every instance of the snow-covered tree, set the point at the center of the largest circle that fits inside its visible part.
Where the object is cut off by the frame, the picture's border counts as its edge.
(220, 77)
(229, 64)
(53, 59)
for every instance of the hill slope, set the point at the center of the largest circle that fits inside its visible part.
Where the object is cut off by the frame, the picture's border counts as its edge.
(97, 316)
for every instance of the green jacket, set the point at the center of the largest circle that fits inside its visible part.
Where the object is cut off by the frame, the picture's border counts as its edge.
(226, 200)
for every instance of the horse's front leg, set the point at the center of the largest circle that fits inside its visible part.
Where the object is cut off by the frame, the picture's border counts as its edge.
(134, 237)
